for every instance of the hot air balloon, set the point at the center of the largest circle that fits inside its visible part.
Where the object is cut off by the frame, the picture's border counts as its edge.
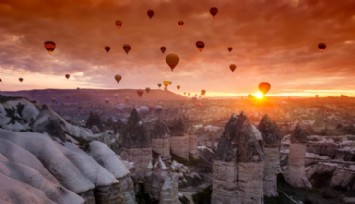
(172, 60)
(147, 89)
(203, 92)
(20, 79)
(180, 23)
(118, 24)
(126, 99)
(150, 13)
(107, 48)
(232, 67)
(140, 92)
(264, 87)
(200, 45)
(213, 11)
(163, 49)
(127, 48)
(118, 78)
(230, 49)
(50, 46)
(184, 93)
(178, 87)
(188, 94)
(159, 85)
(67, 76)
(322, 46)
(166, 84)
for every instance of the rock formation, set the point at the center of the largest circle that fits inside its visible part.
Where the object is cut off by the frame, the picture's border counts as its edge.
(161, 139)
(238, 164)
(182, 144)
(271, 138)
(296, 175)
(136, 142)
(169, 191)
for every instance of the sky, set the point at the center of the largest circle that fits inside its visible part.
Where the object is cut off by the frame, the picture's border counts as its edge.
(273, 40)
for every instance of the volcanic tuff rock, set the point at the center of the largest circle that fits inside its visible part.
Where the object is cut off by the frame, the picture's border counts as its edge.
(239, 135)
(159, 130)
(299, 134)
(271, 136)
(135, 134)
(270, 132)
(296, 175)
(178, 127)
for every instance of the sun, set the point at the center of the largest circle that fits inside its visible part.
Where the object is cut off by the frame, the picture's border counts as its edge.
(259, 95)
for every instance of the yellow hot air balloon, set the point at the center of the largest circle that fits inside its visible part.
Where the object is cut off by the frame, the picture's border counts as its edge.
(172, 60)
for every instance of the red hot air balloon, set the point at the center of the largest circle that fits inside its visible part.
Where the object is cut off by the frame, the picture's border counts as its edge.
(150, 13)
(118, 78)
(232, 67)
(127, 48)
(20, 79)
(118, 24)
(264, 87)
(147, 89)
(322, 46)
(213, 11)
(178, 87)
(140, 92)
(107, 48)
(172, 60)
(67, 76)
(163, 49)
(200, 45)
(50, 46)
(181, 23)
(230, 49)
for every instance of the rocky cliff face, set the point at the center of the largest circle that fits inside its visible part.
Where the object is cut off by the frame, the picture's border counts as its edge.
(169, 191)
(178, 127)
(161, 139)
(39, 165)
(135, 134)
(238, 163)
(271, 136)
(296, 175)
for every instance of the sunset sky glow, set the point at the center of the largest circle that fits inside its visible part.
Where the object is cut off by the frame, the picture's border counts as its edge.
(273, 40)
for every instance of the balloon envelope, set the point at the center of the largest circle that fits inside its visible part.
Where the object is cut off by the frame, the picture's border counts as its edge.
(159, 85)
(213, 11)
(264, 87)
(67, 76)
(140, 92)
(172, 60)
(147, 89)
(20, 79)
(180, 23)
(322, 46)
(50, 46)
(163, 49)
(232, 67)
(118, 24)
(200, 45)
(127, 48)
(230, 49)
(118, 78)
(107, 48)
(150, 13)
